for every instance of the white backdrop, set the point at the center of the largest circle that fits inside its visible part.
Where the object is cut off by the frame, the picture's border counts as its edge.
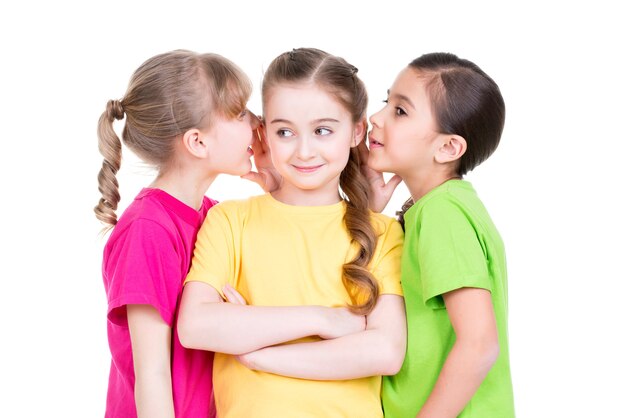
(553, 187)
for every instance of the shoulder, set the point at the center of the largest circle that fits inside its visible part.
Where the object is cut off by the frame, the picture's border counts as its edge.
(443, 202)
(147, 205)
(145, 214)
(385, 225)
(456, 202)
(238, 205)
(236, 211)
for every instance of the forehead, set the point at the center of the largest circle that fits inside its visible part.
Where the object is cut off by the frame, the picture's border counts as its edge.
(410, 80)
(302, 101)
(411, 85)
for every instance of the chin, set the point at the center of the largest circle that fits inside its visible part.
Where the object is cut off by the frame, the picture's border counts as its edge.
(375, 165)
(243, 169)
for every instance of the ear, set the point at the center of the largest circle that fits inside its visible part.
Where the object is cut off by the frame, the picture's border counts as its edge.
(360, 129)
(195, 142)
(450, 149)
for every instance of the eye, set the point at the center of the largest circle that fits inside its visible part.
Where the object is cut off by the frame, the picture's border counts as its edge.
(386, 101)
(284, 133)
(323, 131)
(243, 114)
(400, 111)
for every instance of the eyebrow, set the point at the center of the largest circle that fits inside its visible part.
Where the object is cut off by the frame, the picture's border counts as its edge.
(316, 121)
(402, 98)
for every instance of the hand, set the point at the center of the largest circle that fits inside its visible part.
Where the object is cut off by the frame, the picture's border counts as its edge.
(380, 192)
(248, 359)
(340, 322)
(266, 175)
(232, 296)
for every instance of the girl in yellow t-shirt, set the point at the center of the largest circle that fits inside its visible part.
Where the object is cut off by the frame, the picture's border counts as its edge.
(299, 256)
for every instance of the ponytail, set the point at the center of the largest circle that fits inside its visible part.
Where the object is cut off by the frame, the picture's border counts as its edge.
(357, 279)
(110, 147)
(167, 95)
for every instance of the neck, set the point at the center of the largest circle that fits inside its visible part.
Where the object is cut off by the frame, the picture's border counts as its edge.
(419, 186)
(185, 185)
(292, 195)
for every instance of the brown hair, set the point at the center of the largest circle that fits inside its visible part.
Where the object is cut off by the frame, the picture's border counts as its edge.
(167, 95)
(466, 102)
(339, 79)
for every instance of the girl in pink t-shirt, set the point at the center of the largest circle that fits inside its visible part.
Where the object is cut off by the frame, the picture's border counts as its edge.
(185, 113)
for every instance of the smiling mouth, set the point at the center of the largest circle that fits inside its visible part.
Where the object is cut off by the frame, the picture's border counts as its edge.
(308, 169)
(376, 143)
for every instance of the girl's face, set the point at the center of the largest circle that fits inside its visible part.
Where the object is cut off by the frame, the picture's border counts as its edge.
(310, 135)
(402, 139)
(230, 142)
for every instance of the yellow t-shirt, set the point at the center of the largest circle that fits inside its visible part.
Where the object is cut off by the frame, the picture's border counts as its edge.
(281, 255)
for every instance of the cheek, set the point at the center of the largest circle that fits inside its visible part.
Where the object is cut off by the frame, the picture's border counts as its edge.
(278, 152)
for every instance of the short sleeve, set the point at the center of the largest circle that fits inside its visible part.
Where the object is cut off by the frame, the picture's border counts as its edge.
(216, 254)
(143, 268)
(450, 252)
(386, 267)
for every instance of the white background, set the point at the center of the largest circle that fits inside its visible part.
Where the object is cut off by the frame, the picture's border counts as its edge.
(553, 187)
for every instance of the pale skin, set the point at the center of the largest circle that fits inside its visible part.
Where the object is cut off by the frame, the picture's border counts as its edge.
(187, 178)
(378, 350)
(406, 142)
(207, 323)
(309, 163)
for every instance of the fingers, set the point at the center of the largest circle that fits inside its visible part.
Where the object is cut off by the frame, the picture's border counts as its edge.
(265, 182)
(393, 183)
(258, 144)
(233, 296)
(254, 177)
(256, 120)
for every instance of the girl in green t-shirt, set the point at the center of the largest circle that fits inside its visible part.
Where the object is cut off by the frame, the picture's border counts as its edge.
(443, 117)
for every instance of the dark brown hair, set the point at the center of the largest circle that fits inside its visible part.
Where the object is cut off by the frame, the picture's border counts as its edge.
(466, 102)
(338, 78)
(167, 95)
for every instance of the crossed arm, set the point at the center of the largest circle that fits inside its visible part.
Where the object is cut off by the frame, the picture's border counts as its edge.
(350, 348)
(377, 350)
(206, 322)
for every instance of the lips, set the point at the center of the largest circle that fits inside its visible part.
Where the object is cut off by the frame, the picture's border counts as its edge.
(307, 169)
(374, 143)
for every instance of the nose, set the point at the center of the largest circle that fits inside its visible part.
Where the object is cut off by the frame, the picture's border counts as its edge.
(376, 119)
(306, 149)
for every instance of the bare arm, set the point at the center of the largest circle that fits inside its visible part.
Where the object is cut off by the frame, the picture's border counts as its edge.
(378, 350)
(207, 323)
(474, 352)
(151, 341)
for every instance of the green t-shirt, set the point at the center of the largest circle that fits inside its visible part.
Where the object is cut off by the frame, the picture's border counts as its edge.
(450, 243)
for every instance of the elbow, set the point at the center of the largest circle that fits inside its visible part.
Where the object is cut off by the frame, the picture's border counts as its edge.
(393, 358)
(187, 332)
(184, 335)
(484, 353)
(490, 353)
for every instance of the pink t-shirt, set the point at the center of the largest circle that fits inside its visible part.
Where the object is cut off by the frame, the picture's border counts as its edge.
(146, 260)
